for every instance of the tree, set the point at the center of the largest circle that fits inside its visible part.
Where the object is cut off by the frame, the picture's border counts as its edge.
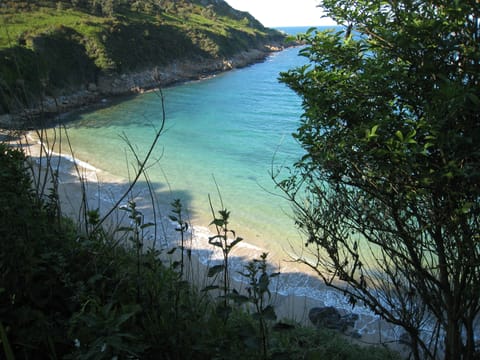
(388, 190)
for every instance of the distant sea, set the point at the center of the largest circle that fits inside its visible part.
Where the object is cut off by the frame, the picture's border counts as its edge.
(229, 131)
(294, 30)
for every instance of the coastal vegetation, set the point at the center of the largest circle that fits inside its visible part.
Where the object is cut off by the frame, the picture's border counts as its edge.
(79, 291)
(388, 192)
(51, 48)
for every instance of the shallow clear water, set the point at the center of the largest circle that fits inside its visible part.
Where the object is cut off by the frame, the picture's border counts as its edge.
(229, 129)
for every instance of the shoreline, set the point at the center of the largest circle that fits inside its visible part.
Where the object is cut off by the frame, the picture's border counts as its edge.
(109, 87)
(292, 297)
(293, 293)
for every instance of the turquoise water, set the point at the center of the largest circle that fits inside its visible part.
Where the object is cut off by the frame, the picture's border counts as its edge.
(230, 130)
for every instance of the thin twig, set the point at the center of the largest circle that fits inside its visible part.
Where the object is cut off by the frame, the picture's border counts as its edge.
(141, 166)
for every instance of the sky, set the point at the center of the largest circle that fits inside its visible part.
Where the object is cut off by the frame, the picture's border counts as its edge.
(275, 13)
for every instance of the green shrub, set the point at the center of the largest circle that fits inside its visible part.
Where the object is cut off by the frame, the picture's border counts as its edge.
(73, 295)
(35, 254)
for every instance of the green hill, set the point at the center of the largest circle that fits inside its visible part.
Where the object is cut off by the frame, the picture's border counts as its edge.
(53, 48)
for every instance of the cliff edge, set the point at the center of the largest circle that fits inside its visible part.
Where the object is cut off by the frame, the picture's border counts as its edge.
(58, 55)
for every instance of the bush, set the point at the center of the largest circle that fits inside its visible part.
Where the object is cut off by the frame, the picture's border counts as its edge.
(65, 294)
(35, 254)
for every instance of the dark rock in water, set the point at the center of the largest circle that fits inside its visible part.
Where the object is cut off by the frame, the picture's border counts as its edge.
(354, 334)
(325, 317)
(349, 319)
(330, 318)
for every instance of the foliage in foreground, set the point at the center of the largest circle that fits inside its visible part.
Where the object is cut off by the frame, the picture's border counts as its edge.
(72, 296)
(388, 191)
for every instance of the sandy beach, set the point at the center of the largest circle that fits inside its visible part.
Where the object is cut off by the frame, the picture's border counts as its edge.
(293, 293)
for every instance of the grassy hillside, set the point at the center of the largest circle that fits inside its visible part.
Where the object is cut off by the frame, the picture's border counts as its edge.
(48, 47)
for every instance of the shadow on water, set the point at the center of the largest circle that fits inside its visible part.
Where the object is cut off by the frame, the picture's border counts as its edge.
(286, 283)
(79, 184)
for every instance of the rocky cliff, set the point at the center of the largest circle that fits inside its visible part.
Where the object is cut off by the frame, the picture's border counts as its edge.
(55, 56)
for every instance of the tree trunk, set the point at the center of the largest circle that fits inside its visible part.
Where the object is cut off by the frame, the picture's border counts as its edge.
(453, 340)
(470, 341)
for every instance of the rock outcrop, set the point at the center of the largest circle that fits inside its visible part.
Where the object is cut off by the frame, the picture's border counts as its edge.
(136, 82)
(331, 318)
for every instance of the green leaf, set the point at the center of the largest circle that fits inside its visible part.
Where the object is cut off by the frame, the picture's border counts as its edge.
(217, 244)
(291, 38)
(372, 132)
(449, 175)
(210, 287)
(263, 283)
(124, 317)
(473, 98)
(410, 137)
(238, 298)
(146, 225)
(399, 135)
(466, 207)
(125, 228)
(218, 222)
(216, 240)
(269, 313)
(235, 242)
(225, 214)
(214, 270)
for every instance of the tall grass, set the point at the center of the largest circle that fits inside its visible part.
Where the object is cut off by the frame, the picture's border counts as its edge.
(80, 292)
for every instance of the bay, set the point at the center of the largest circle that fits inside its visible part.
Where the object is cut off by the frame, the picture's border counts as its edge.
(223, 138)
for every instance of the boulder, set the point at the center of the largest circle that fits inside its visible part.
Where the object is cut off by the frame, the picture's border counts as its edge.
(349, 320)
(325, 317)
(330, 318)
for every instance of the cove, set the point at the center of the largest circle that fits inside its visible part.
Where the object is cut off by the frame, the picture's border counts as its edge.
(230, 130)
